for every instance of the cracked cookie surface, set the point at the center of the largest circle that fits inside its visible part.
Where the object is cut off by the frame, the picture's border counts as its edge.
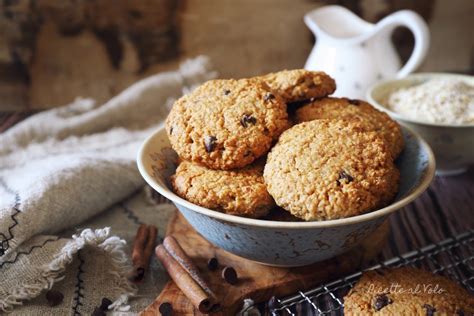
(340, 108)
(300, 84)
(226, 124)
(407, 291)
(329, 169)
(238, 192)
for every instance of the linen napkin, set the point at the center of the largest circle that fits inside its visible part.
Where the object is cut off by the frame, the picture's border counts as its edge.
(64, 166)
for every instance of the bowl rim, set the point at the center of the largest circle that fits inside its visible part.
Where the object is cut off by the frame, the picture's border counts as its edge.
(423, 184)
(414, 77)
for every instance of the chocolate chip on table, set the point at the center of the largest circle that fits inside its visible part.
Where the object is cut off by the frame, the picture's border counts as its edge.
(247, 119)
(381, 301)
(98, 312)
(212, 264)
(345, 176)
(226, 91)
(139, 274)
(268, 97)
(230, 275)
(54, 297)
(166, 309)
(104, 305)
(210, 143)
(273, 303)
(353, 102)
(430, 310)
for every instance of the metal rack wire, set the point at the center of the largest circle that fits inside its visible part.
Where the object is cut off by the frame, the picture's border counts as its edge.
(452, 257)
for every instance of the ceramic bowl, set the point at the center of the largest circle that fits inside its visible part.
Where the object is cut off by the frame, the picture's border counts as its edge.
(453, 145)
(285, 243)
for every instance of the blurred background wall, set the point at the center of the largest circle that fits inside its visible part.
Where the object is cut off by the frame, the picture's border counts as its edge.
(52, 51)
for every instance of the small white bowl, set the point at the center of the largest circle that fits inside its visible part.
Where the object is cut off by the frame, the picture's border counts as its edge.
(453, 145)
(285, 243)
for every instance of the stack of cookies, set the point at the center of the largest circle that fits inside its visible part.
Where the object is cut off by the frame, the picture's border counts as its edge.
(242, 153)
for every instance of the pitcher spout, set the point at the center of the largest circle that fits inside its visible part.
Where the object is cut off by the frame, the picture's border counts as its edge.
(337, 23)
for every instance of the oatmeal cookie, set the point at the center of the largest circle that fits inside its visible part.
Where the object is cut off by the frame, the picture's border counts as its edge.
(407, 291)
(337, 108)
(226, 124)
(238, 192)
(300, 84)
(329, 169)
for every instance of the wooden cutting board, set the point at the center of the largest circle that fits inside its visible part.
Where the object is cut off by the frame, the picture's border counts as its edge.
(256, 281)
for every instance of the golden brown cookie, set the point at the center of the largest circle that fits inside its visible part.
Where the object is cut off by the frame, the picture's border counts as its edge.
(329, 169)
(238, 192)
(407, 291)
(339, 108)
(226, 124)
(300, 84)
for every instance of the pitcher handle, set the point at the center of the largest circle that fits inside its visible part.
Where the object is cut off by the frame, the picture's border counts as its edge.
(415, 23)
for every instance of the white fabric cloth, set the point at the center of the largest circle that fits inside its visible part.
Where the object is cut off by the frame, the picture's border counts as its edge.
(61, 167)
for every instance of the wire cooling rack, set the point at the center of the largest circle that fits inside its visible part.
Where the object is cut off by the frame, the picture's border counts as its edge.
(452, 257)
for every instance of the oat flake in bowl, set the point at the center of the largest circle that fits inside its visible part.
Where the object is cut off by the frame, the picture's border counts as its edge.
(440, 100)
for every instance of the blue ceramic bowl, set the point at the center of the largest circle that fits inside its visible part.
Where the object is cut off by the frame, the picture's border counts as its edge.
(285, 243)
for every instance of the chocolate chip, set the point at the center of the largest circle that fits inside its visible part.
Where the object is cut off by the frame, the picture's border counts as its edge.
(273, 303)
(212, 264)
(171, 130)
(268, 97)
(226, 92)
(430, 310)
(353, 102)
(459, 312)
(166, 309)
(247, 119)
(210, 143)
(54, 297)
(381, 301)
(345, 176)
(104, 305)
(98, 312)
(230, 275)
(138, 275)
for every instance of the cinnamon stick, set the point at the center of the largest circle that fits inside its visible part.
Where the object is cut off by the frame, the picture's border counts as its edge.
(178, 254)
(143, 249)
(193, 291)
(150, 243)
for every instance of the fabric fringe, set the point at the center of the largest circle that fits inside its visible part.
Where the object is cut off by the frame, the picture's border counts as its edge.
(113, 248)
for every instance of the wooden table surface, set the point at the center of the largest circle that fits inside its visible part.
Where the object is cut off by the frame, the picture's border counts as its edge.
(444, 210)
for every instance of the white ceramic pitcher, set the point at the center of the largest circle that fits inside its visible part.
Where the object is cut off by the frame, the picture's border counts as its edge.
(357, 53)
